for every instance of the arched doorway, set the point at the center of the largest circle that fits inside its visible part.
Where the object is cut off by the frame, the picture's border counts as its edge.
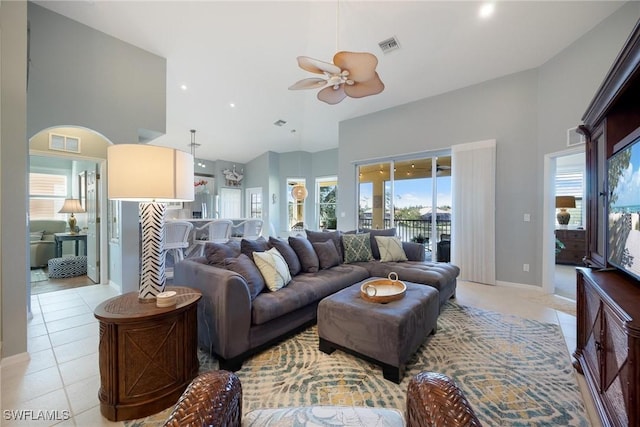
(79, 155)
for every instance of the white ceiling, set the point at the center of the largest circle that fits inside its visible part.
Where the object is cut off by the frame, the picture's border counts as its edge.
(245, 53)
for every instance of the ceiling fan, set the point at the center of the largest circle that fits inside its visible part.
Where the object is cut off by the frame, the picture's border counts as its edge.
(352, 74)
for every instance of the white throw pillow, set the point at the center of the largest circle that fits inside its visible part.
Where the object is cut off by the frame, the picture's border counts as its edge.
(390, 249)
(273, 268)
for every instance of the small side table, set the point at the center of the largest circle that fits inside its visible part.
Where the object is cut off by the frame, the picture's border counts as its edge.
(76, 237)
(147, 355)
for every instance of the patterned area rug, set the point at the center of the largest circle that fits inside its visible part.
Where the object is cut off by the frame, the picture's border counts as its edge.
(514, 371)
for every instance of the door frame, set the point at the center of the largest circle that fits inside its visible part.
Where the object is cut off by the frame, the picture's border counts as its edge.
(549, 216)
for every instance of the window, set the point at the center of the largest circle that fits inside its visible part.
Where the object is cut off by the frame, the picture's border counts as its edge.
(326, 193)
(254, 202)
(46, 195)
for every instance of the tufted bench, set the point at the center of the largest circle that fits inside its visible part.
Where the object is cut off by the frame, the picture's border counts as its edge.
(387, 334)
(60, 268)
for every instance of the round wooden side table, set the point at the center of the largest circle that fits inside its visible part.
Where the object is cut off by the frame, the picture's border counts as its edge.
(147, 355)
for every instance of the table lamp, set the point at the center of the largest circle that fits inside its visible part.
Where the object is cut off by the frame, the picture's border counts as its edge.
(564, 203)
(71, 206)
(150, 175)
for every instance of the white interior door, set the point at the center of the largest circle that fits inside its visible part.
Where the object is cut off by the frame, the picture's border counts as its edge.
(93, 227)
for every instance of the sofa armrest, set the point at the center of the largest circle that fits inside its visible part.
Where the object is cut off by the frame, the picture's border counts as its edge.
(224, 311)
(212, 399)
(434, 399)
(414, 251)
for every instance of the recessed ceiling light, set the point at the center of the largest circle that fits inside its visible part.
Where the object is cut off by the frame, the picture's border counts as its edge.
(183, 87)
(232, 105)
(486, 10)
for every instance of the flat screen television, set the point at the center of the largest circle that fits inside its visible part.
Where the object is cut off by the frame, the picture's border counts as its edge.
(624, 207)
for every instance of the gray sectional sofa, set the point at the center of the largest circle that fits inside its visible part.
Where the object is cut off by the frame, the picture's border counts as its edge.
(238, 317)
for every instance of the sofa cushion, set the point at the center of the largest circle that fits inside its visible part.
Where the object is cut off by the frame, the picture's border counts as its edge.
(374, 244)
(327, 254)
(323, 236)
(245, 267)
(390, 248)
(249, 246)
(304, 289)
(288, 253)
(274, 268)
(309, 262)
(357, 247)
(217, 253)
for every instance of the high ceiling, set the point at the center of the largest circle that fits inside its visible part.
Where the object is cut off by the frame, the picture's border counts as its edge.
(245, 53)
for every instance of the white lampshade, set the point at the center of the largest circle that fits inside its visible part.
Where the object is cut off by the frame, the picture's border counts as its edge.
(71, 206)
(143, 173)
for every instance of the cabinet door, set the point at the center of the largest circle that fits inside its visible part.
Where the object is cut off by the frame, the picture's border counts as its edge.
(596, 157)
(615, 372)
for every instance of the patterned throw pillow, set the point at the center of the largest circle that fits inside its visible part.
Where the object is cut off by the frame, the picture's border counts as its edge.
(374, 243)
(357, 247)
(274, 269)
(390, 249)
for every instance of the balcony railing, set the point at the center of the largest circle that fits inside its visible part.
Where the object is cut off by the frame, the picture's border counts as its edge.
(410, 229)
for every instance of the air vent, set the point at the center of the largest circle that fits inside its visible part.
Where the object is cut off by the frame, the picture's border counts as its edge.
(280, 123)
(389, 44)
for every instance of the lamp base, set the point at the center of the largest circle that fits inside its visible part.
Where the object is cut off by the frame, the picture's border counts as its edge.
(152, 271)
(563, 217)
(72, 224)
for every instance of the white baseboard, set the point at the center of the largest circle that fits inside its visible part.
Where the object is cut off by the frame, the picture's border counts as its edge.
(519, 285)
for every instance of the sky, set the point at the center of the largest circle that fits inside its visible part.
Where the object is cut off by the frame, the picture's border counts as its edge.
(412, 192)
(628, 188)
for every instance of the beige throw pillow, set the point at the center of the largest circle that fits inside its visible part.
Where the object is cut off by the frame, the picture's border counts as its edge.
(390, 249)
(273, 268)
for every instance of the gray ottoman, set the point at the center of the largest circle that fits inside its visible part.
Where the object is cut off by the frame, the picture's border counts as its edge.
(386, 334)
(60, 268)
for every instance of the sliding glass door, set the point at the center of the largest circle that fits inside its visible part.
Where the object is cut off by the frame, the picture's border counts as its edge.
(413, 195)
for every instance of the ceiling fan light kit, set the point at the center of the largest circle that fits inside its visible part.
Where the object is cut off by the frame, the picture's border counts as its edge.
(352, 74)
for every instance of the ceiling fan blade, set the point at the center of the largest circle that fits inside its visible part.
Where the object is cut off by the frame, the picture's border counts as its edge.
(332, 96)
(361, 65)
(362, 89)
(316, 66)
(310, 83)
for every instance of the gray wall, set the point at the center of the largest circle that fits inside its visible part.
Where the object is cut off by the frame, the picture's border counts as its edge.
(14, 251)
(528, 114)
(80, 76)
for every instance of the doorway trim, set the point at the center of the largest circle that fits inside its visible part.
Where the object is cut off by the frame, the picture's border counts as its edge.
(549, 216)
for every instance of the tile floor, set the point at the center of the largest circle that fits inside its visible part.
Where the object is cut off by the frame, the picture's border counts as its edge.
(62, 373)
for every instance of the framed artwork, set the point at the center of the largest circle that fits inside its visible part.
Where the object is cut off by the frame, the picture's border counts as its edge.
(82, 189)
(203, 183)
